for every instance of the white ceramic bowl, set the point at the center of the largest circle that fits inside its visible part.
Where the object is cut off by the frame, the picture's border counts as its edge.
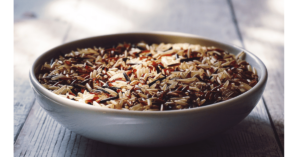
(147, 128)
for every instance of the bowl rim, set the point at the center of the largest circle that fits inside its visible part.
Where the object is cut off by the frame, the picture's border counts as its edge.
(77, 105)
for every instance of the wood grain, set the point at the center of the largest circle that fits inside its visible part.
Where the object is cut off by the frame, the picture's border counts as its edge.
(31, 38)
(38, 27)
(42, 136)
(22, 104)
(261, 27)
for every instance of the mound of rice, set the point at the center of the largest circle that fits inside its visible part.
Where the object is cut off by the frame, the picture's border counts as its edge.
(145, 77)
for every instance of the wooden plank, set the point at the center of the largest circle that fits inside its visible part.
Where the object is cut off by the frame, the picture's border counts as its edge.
(261, 26)
(22, 104)
(35, 31)
(31, 38)
(42, 136)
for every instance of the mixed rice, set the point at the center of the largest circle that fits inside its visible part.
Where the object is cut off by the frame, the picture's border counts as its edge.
(154, 77)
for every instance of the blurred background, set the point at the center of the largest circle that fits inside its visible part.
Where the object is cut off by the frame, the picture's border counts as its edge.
(256, 25)
(43, 24)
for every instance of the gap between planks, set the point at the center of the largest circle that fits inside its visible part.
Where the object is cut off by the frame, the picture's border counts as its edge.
(43, 136)
(17, 134)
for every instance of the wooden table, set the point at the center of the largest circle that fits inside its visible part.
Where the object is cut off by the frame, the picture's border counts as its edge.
(253, 24)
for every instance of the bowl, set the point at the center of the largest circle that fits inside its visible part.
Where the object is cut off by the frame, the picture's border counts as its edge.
(147, 128)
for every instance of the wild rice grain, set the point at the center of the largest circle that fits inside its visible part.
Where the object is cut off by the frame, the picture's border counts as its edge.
(145, 77)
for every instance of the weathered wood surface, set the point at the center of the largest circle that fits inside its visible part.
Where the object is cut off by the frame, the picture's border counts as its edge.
(62, 21)
(42, 136)
(32, 38)
(261, 27)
